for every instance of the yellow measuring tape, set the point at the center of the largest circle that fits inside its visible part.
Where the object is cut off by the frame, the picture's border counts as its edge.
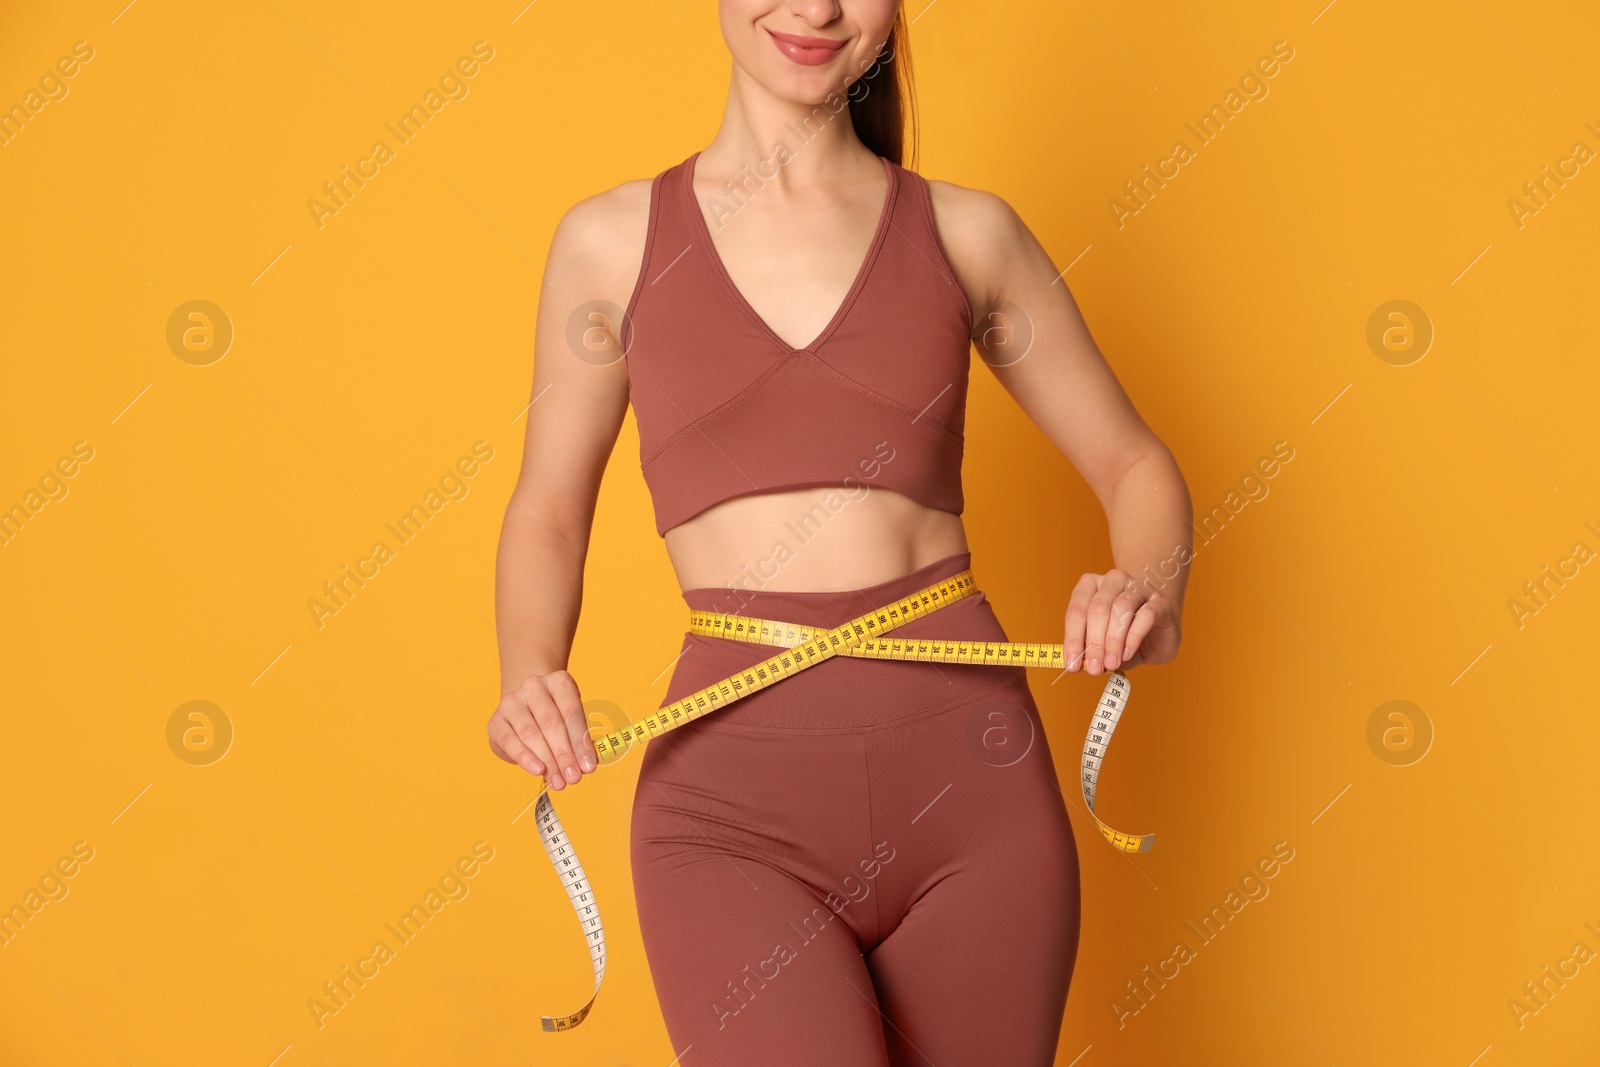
(807, 647)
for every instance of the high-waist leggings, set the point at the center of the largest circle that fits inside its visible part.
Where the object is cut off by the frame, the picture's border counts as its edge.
(867, 863)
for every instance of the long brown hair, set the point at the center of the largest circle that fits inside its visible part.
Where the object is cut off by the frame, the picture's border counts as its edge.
(883, 107)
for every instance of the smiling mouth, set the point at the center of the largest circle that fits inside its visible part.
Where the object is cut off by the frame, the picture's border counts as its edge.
(808, 51)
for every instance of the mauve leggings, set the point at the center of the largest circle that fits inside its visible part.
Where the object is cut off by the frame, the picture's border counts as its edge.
(869, 863)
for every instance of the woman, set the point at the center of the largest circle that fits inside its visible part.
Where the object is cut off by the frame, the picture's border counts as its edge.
(836, 869)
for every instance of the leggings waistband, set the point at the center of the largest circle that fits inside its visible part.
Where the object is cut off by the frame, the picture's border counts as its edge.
(823, 608)
(845, 694)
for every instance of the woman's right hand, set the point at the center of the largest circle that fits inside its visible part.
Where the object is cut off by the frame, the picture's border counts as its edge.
(541, 727)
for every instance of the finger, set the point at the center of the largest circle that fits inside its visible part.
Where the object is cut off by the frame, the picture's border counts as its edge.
(1124, 607)
(563, 761)
(1144, 620)
(1094, 636)
(564, 688)
(514, 709)
(1077, 617)
(505, 743)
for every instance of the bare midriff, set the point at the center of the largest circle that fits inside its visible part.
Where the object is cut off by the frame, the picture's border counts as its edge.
(817, 539)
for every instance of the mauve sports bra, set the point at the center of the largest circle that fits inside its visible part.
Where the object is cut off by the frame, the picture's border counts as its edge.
(726, 408)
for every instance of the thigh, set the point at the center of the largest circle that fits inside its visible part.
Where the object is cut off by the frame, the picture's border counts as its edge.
(974, 977)
(750, 964)
(979, 950)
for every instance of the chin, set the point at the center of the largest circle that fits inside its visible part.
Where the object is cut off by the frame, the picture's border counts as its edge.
(745, 29)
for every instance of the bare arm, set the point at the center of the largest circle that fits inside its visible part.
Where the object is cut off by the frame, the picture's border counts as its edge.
(577, 403)
(1032, 336)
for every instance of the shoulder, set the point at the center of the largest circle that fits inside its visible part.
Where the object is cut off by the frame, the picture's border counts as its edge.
(983, 237)
(982, 223)
(599, 242)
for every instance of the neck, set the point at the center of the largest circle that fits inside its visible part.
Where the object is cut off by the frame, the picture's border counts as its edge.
(815, 142)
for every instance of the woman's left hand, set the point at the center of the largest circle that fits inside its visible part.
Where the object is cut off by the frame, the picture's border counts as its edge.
(1113, 621)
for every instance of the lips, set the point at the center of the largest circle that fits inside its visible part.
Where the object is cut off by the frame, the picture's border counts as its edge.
(809, 51)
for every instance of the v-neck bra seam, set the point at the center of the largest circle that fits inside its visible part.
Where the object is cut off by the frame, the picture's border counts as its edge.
(696, 423)
(737, 299)
(745, 394)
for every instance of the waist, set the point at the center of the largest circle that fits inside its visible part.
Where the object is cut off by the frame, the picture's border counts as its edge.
(829, 607)
(810, 540)
(844, 693)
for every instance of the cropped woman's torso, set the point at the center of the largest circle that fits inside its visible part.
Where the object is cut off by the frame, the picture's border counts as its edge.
(798, 372)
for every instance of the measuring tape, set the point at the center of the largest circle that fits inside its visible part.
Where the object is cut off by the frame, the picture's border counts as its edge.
(807, 647)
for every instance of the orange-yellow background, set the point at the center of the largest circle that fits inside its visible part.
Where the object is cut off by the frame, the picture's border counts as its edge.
(371, 353)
